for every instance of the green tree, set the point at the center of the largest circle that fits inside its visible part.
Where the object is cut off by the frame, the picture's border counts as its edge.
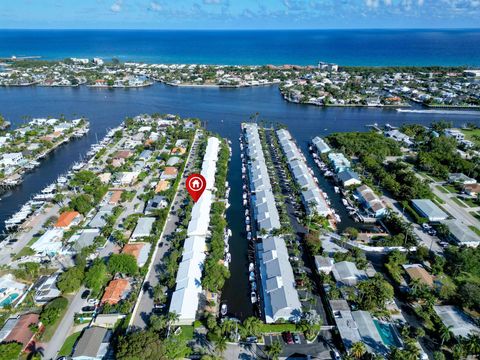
(123, 263)
(358, 350)
(252, 326)
(10, 350)
(140, 345)
(52, 310)
(221, 345)
(71, 280)
(96, 276)
(175, 348)
(445, 333)
(273, 350)
(373, 293)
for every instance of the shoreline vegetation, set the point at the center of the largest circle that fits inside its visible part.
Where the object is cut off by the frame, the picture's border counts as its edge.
(325, 84)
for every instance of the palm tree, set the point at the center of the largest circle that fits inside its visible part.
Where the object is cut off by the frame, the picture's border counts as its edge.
(251, 326)
(273, 350)
(472, 344)
(358, 349)
(221, 345)
(445, 334)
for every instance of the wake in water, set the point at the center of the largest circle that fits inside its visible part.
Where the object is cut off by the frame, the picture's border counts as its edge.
(449, 112)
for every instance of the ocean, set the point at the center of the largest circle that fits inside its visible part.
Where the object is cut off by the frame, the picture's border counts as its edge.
(302, 47)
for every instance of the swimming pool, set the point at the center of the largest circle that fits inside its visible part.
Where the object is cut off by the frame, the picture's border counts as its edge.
(387, 333)
(9, 299)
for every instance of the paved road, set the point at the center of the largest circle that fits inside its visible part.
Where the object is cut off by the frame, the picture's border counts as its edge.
(453, 208)
(144, 305)
(430, 242)
(63, 330)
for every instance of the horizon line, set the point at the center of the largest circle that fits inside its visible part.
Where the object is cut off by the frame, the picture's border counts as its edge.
(240, 30)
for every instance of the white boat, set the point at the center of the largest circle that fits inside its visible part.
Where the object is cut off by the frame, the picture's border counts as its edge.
(254, 285)
(251, 276)
(228, 257)
(345, 202)
(223, 309)
(251, 267)
(229, 232)
(247, 227)
(337, 189)
(253, 297)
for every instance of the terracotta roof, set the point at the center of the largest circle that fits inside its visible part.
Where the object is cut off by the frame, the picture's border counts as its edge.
(133, 249)
(21, 331)
(472, 187)
(162, 186)
(421, 274)
(66, 218)
(115, 198)
(115, 291)
(170, 170)
(178, 150)
(123, 154)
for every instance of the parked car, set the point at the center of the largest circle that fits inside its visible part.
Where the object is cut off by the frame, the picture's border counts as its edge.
(85, 294)
(88, 308)
(296, 339)
(251, 339)
(93, 301)
(287, 337)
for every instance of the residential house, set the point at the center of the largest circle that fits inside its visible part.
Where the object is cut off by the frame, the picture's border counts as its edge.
(93, 344)
(116, 290)
(68, 219)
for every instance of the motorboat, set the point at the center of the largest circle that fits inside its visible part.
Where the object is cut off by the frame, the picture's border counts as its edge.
(251, 267)
(251, 276)
(253, 297)
(223, 309)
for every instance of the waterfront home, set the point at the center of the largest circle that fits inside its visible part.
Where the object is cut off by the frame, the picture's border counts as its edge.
(455, 133)
(46, 289)
(11, 159)
(339, 162)
(10, 290)
(139, 251)
(68, 219)
(143, 228)
(399, 137)
(169, 173)
(50, 243)
(370, 201)
(116, 290)
(346, 273)
(280, 297)
(93, 344)
(324, 264)
(427, 209)
(200, 216)
(123, 154)
(20, 330)
(349, 178)
(457, 321)
(320, 145)
(461, 234)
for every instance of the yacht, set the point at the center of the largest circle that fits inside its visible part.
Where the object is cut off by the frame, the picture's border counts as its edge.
(251, 267)
(253, 297)
(223, 309)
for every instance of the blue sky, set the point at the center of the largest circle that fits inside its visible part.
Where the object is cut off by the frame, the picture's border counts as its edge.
(239, 14)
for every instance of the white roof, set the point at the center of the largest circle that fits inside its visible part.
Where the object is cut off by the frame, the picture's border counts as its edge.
(50, 242)
(209, 169)
(185, 304)
(144, 227)
(194, 243)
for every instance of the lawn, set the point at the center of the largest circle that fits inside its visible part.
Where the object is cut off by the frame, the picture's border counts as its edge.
(50, 330)
(442, 189)
(473, 135)
(451, 188)
(470, 202)
(474, 229)
(67, 346)
(187, 333)
(437, 199)
(459, 202)
(277, 328)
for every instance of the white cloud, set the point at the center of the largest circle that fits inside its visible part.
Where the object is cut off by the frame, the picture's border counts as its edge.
(154, 6)
(212, 2)
(372, 4)
(116, 6)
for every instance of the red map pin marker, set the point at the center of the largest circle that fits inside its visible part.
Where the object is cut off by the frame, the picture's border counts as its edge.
(196, 184)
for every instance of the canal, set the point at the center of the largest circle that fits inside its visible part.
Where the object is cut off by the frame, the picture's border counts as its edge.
(222, 109)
